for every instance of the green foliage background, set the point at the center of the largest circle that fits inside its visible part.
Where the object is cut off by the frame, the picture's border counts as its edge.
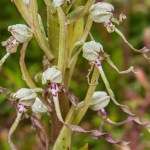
(138, 13)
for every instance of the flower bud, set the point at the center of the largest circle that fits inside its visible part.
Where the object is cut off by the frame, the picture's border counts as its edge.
(57, 3)
(99, 100)
(26, 96)
(38, 107)
(101, 12)
(52, 75)
(11, 44)
(21, 32)
(91, 50)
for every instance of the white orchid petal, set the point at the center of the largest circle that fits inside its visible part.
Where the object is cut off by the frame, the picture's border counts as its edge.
(101, 12)
(52, 75)
(99, 100)
(91, 50)
(21, 32)
(39, 107)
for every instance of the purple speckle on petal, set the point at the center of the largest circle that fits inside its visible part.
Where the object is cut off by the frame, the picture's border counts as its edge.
(54, 95)
(97, 63)
(109, 23)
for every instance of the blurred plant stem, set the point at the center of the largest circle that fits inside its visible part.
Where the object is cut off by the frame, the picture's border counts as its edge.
(25, 73)
(37, 31)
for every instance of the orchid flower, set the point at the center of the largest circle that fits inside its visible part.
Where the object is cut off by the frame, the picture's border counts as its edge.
(26, 98)
(20, 34)
(54, 76)
(99, 100)
(91, 52)
(102, 13)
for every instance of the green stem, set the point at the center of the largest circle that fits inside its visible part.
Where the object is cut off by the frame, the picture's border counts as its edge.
(64, 139)
(81, 112)
(111, 93)
(69, 7)
(72, 62)
(82, 12)
(62, 56)
(53, 33)
(36, 28)
(12, 129)
(87, 29)
(24, 70)
(50, 5)
(15, 124)
(24, 11)
(4, 59)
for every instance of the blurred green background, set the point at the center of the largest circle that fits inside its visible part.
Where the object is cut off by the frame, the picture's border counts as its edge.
(129, 89)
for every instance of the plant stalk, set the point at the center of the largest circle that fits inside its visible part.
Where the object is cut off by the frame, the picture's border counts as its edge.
(25, 73)
(36, 29)
(62, 55)
(82, 12)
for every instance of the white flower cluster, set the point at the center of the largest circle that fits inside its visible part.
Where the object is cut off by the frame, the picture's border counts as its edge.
(28, 97)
